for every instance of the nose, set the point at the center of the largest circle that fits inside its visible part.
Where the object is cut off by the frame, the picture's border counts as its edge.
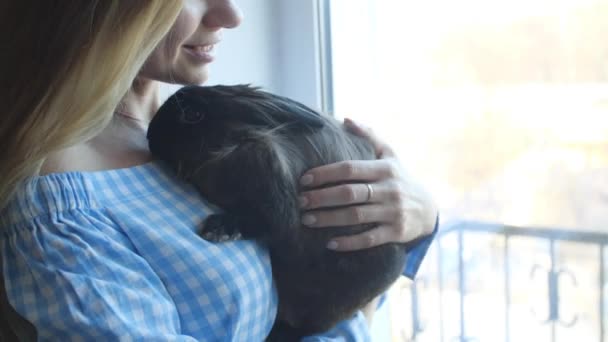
(222, 14)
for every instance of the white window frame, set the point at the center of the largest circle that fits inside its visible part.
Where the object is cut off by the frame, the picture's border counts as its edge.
(304, 52)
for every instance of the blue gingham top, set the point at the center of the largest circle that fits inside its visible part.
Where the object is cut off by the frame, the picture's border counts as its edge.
(113, 255)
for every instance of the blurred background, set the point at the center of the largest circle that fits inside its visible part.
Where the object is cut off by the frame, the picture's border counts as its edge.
(501, 109)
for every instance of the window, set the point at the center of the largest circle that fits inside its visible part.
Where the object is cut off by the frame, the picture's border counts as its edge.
(501, 108)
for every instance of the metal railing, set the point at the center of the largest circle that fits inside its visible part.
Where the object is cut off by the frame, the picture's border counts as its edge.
(553, 271)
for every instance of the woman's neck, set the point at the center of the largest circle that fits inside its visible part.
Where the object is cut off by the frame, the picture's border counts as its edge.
(123, 141)
(140, 103)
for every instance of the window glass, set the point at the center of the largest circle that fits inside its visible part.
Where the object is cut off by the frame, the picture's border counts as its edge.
(501, 109)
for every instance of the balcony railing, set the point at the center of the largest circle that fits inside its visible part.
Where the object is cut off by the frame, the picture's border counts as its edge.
(532, 304)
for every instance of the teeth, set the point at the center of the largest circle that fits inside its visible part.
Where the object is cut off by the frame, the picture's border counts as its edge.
(202, 48)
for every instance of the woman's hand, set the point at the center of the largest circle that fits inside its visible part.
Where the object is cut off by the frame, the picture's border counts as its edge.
(379, 191)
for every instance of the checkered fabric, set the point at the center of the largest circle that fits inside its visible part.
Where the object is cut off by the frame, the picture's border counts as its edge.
(113, 255)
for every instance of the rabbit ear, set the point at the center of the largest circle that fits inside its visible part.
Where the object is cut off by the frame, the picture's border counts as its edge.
(251, 105)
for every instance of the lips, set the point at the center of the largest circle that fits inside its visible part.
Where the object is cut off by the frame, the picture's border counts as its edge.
(200, 49)
(200, 52)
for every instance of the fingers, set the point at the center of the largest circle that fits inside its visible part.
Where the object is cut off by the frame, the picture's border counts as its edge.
(395, 204)
(371, 238)
(354, 215)
(350, 171)
(381, 148)
(341, 195)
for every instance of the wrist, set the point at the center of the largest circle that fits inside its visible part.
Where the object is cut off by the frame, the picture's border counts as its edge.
(369, 310)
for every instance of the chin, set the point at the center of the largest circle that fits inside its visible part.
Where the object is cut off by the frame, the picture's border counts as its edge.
(197, 79)
(194, 78)
(190, 76)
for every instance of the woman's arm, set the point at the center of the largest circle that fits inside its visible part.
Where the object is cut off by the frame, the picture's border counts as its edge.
(77, 285)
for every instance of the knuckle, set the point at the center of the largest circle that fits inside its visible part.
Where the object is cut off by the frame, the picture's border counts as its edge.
(351, 244)
(392, 171)
(313, 202)
(348, 169)
(400, 217)
(396, 196)
(358, 214)
(369, 240)
(349, 194)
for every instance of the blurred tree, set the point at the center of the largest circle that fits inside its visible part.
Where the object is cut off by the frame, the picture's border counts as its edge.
(560, 48)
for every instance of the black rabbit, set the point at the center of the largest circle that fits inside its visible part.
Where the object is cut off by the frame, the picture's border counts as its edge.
(245, 150)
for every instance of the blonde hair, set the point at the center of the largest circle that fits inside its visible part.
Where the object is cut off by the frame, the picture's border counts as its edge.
(66, 64)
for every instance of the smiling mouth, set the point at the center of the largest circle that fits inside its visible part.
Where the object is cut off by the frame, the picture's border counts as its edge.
(200, 53)
(200, 48)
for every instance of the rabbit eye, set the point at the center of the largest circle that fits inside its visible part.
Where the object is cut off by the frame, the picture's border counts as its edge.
(192, 117)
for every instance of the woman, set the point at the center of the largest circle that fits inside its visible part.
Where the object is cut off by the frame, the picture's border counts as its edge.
(98, 239)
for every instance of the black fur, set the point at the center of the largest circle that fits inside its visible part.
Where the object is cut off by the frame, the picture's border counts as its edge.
(245, 150)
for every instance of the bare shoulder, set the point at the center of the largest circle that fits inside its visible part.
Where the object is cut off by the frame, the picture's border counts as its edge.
(117, 147)
(76, 158)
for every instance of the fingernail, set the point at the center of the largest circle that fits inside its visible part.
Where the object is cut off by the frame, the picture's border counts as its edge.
(332, 244)
(307, 179)
(308, 219)
(303, 201)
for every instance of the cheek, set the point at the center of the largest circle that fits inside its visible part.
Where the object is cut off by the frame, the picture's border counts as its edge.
(162, 64)
(184, 27)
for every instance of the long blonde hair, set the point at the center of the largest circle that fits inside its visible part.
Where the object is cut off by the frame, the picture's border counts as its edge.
(64, 66)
